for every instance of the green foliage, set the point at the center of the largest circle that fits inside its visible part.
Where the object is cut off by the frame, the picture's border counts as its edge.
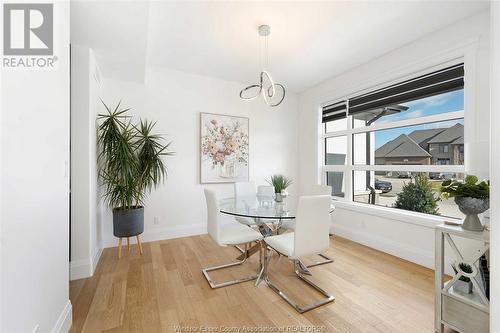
(468, 188)
(418, 196)
(130, 158)
(465, 268)
(279, 182)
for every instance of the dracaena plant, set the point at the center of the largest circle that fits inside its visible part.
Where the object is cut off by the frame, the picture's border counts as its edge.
(279, 182)
(130, 158)
(471, 187)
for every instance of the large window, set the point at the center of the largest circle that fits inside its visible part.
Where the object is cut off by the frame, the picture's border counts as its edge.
(394, 146)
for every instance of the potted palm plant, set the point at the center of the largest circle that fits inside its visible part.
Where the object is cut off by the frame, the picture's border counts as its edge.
(472, 198)
(280, 184)
(130, 160)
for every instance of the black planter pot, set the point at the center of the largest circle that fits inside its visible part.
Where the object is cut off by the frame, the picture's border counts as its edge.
(128, 222)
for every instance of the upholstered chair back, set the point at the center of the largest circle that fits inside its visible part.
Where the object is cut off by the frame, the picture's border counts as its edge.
(312, 225)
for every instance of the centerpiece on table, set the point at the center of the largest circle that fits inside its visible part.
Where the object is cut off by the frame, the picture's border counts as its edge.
(472, 198)
(280, 184)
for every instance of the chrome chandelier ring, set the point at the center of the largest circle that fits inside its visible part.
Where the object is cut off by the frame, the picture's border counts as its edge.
(278, 85)
(273, 93)
(248, 89)
(267, 88)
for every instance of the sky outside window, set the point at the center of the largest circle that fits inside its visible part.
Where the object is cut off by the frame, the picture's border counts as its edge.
(447, 102)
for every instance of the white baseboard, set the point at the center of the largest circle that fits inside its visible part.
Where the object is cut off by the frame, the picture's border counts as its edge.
(84, 268)
(401, 250)
(161, 234)
(80, 269)
(95, 260)
(63, 323)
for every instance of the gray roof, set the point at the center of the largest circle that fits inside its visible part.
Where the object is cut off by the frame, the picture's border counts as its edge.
(459, 141)
(449, 135)
(402, 146)
(420, 136)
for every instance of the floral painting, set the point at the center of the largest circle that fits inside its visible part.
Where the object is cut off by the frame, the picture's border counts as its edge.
(224, 148)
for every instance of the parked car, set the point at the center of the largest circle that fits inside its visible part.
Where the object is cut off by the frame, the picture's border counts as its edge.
(441, 175)
(383, 185)
(404, 174)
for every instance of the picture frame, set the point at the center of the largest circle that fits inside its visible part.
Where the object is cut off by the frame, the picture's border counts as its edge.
(224, 148)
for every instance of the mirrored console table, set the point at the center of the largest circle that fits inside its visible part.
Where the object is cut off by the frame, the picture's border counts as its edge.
(462, 311)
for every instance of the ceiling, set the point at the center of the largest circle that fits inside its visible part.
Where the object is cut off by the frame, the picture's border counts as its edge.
(310, 41)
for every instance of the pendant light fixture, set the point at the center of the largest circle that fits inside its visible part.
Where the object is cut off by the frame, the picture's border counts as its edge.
(273, 93)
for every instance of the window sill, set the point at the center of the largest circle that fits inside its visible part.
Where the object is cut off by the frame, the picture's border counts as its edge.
(424, 220)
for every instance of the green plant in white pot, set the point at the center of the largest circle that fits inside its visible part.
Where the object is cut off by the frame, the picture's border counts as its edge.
(131, 165)
(464, 283)
(472, 198)
(280, 184)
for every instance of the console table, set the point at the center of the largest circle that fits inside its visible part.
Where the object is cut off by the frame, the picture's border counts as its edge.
(463, 312)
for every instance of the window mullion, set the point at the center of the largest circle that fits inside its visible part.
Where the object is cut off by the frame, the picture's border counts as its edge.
(397, 124)
(348, 175)
(410, 168)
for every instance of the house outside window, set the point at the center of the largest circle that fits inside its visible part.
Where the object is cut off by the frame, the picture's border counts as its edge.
(373, 150)
(443, 148)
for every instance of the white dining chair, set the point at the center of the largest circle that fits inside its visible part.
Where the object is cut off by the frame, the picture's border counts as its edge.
(265, 191)
(224, 235)
(311, 190)
(245, 189)
(317, 189)
(309, 238)
(290, 224)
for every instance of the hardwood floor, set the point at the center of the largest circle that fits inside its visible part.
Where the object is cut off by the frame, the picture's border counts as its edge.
(164, 289)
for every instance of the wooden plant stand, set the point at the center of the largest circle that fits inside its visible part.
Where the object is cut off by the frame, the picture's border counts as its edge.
(138, 237)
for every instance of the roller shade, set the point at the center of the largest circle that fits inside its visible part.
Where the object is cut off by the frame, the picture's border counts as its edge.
(334, 111)
(439, 82)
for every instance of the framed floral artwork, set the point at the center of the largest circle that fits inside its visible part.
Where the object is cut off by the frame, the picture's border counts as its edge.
(224, 148)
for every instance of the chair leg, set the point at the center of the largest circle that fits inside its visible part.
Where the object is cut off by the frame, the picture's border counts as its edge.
(239, 248)
(214, 285)
(327, 260)
(301, 309)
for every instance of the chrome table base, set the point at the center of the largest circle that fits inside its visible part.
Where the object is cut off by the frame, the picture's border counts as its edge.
(264, 258)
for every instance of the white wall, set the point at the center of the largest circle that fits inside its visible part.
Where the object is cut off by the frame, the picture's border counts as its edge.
(175, 100)
(85, 200)
(495, 168)
(35, 186)
(392, 233)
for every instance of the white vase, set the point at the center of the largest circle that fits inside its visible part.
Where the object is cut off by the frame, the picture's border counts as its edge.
(471, 207)
(463, 287)
(228, 169)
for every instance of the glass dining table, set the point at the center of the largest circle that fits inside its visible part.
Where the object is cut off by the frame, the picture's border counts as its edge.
(263, 212)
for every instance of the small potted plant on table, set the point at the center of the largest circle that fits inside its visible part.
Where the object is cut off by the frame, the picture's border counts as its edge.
(464, 284)
(280, 184)
(472, 198)
(130, 166)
